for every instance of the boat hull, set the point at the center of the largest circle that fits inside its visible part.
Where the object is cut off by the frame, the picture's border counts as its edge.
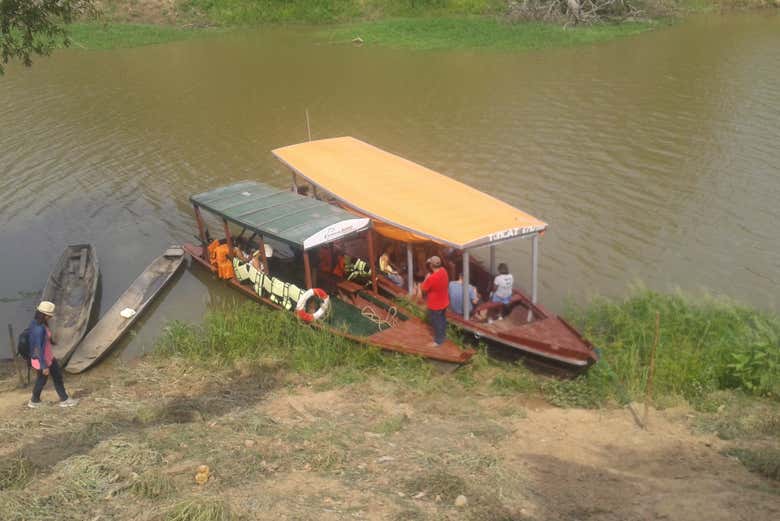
(546, 336)
(412, 337)
(72, 287)
(112, 326)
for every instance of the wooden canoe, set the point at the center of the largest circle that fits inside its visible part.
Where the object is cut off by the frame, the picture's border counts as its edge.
(72, 286)
(113, 325)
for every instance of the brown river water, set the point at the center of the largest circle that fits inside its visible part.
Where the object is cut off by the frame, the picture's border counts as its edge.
(654, 158)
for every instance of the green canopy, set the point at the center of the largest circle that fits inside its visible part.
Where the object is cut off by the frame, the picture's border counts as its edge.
(300, 221)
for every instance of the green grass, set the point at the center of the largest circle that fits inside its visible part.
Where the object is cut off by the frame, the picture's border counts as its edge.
(201, 509)
(253, 12)
(251, 333)
(429, 33)
(765, 462)
(99, 36)
(706, 344)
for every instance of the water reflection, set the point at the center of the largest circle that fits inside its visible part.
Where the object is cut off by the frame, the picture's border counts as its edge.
(652, 158)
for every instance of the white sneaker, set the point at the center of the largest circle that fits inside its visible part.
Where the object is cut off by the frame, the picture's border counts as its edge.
(34, 405)
(500, 317)
(70, 402)
(490, 321)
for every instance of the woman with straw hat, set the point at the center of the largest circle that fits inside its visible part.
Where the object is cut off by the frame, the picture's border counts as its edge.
(42, 359)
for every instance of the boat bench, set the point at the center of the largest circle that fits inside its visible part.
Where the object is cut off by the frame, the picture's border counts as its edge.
(489, 306)
(349, 289)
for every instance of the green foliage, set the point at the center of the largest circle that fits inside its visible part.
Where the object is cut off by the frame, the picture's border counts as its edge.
(15, 471)
(583, 392)
(429, 33)
(762, 461)
(520, 381)
(252, 12)
(200, 510)
(29, 28)
(248, 332)
(153, 485)
(102, 36)
(705, 345)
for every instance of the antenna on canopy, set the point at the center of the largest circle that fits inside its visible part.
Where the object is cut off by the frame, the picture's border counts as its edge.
(308, 126)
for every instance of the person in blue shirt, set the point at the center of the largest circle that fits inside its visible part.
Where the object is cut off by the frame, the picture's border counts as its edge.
(456, 296)
(42, 358)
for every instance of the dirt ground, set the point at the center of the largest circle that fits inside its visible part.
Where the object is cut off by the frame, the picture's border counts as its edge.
(280, 447)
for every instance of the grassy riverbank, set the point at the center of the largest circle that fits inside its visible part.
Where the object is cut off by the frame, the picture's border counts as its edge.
(705, 345)
(296, 424)
(479, 33)
(409, 24)
(105, 36)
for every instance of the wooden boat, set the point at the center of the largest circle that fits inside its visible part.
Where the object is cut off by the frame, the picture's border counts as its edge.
(307, 226)
(126, 310)
(424, 211)
(72, 287)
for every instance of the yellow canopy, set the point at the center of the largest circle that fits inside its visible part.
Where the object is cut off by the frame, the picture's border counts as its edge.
(400, 194)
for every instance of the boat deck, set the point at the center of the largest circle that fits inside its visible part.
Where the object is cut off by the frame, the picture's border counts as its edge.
(545, 334)
(410, 336)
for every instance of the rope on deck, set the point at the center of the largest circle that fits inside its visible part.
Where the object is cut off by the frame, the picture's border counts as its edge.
(389, 320)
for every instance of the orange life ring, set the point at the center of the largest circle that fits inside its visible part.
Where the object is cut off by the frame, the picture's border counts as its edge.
(300, 308)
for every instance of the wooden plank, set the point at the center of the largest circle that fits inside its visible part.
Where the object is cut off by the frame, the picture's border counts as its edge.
(307, 269)
(201, 227)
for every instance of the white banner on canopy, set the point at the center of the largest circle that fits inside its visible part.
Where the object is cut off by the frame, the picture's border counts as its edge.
(335, 231)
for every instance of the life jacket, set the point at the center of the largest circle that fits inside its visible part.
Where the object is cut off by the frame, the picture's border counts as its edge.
(219, 256)
(254, 274)
(357, 269)
(241, 269)
(285, 294)
(212, 249)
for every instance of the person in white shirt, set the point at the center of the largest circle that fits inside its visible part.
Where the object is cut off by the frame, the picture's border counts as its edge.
(502, 288)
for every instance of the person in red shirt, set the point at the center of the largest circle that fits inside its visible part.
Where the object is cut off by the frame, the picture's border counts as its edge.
(437, 299)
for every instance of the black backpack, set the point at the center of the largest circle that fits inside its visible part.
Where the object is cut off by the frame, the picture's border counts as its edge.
(23, 346)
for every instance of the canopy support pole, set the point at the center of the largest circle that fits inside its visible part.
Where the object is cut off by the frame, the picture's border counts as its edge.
(534, 273)
(372, 261)
(534, 267)
(409, 268)
(492, 262)
(307, 269)
(201, 228)
(228, 237)
(262, 254)
(294, 183)
(466, 299)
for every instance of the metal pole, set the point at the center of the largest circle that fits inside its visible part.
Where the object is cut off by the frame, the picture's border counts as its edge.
(409, 268)
(466, 299)
(372, 261)
(534, 267)
(492, 261)
(294, 183)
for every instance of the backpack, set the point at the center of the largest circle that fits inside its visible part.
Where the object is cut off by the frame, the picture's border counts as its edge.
(23, 346)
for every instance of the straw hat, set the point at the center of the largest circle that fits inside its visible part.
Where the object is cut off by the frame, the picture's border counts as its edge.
(46, 308)
(434, 261)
